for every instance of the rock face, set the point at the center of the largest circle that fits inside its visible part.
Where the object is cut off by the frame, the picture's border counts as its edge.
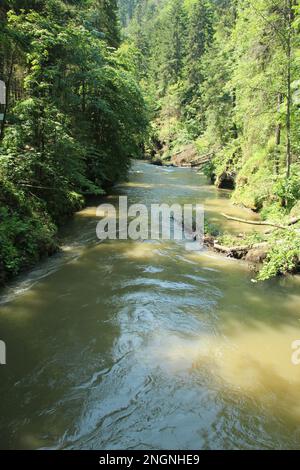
(186, 156)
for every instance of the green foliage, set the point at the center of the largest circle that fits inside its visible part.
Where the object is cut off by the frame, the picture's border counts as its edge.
(223, 74)
(26, 231)
(283, 256)
(288, 190)
(77, 118)
(248, 239)
(219, 73)
(209, 170)
(273, 212)
(211, 229)
(255, 180)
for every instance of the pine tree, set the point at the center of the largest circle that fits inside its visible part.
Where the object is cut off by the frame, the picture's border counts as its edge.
(107, 21)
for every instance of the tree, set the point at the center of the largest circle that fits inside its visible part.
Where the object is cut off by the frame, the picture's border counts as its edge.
(105, 19)
(76, 121)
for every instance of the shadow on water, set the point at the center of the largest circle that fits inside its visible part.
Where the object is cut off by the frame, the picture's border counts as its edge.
(144, 345)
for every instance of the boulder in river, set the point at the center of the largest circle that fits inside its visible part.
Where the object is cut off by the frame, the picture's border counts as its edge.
(256, 255)
(156, 162)
(226, 181)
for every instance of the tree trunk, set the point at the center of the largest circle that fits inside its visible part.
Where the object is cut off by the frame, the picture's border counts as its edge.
(289, 94)
(278, 137)
(293, 221)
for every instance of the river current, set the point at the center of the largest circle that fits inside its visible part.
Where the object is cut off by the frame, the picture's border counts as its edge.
(144, 345)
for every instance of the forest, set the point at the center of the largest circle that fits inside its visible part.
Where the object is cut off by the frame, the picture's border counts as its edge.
(149, 229)
(73, 118)
(221, 78)
(91, 84)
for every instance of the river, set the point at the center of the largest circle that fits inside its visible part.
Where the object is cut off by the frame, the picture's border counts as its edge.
(144, 345)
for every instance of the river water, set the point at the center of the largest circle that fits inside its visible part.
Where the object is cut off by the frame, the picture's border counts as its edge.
(144, 345)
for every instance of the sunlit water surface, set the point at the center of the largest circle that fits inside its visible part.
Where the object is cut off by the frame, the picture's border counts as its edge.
(144, 345)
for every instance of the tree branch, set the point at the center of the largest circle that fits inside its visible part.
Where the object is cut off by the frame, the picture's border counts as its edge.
(293, 221)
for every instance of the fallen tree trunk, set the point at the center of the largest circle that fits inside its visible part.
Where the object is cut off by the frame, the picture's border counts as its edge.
(202, 160)
(238, 251)
(294, 221)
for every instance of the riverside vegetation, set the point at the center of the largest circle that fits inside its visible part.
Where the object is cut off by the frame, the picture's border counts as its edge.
(74, 117)
(222, 81)
(89, 87)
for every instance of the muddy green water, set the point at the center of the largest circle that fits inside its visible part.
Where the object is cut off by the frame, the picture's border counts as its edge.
(131, 345)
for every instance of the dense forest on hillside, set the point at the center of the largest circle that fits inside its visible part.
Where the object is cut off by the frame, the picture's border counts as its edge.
(222, 77)
(93, 83)
(74, 116)
(149, 228)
